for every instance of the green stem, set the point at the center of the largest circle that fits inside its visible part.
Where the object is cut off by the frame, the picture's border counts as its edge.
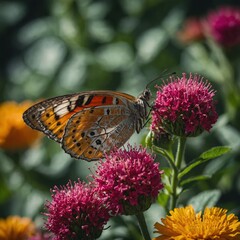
(143, 226)
(167, 154)
(178, 162)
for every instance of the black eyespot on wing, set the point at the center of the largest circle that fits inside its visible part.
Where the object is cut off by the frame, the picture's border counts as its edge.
(56, 117)
(82, 134)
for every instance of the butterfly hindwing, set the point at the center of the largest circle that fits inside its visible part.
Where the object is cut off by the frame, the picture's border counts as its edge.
(93, 131)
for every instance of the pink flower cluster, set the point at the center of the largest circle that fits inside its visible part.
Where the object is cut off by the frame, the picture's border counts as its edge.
(128, 179)
(76, 212)
(184, 106)
(224, 25)
(126, 183)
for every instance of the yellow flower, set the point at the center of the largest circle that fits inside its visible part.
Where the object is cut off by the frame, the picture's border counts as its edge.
(185, 224)
(14, 133)
(16, 228)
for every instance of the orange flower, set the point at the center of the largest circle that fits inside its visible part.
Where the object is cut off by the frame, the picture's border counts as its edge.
(185, 224)
(14, 133)
(191, 31)
(16, 228)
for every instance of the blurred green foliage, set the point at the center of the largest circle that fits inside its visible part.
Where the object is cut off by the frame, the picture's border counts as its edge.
(51, 48)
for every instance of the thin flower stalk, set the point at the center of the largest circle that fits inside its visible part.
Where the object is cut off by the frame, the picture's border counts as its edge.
(178, 162)
(143, 226)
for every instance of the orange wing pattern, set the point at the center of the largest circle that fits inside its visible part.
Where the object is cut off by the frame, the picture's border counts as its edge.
(51, 116)
(86, 124)
(100, 130)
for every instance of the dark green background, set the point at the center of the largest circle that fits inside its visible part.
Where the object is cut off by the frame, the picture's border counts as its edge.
(51, 48)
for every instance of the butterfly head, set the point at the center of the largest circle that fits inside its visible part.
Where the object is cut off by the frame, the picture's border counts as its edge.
(145, 95)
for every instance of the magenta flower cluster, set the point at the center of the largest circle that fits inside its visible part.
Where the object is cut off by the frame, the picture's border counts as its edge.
(184, 106)
(129, 180)
(126, 183)
(76, 212)
(224, 25)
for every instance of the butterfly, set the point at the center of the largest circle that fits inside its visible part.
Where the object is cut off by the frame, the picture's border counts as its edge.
(92, 123)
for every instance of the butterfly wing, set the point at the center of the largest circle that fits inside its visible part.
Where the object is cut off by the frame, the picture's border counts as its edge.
(107, 112)
(93, 131)
(51, 116)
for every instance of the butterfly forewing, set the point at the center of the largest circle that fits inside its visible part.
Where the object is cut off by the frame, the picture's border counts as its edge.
(51, 116)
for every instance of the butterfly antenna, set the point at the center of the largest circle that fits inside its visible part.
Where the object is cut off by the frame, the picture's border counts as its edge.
(162, 75)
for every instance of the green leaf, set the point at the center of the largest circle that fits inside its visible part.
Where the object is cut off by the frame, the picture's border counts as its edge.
(165, 153)
(195, 178)
(215, 152)
(205, 199)
(204, 157)
(4, 191)
(168, 188)
(115, 57)
(163, 198)
(151, 43)
(167, 171)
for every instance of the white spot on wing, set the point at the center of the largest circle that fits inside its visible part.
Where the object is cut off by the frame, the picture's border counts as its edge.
(73, 102)
(86, 97)
(62, 109)
(74, 99)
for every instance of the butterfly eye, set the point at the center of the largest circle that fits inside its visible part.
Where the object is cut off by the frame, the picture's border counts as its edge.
(147, 94)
